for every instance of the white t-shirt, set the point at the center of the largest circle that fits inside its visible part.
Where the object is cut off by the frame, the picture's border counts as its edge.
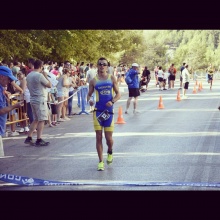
(160, 73)
(185, 75)
(91, 74)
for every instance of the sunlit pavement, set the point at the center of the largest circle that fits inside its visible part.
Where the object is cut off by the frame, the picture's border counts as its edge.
(176, 144)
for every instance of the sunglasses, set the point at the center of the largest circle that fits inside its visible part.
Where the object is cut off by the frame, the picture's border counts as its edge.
(103, 64)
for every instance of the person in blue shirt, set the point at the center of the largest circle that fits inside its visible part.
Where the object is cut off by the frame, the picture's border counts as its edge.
(6, 77)
(133, 88)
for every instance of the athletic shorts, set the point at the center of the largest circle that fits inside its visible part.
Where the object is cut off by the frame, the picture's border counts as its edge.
(134, 92)
(186, 85)
(40, 111)
(160, 79)
(172, 77)
(108, 124)
(210, 77)
(53, 109)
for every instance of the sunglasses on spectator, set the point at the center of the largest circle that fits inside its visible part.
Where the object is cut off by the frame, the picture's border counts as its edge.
(103, 64)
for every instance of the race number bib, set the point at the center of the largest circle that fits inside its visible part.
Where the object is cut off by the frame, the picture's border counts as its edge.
(103, 116)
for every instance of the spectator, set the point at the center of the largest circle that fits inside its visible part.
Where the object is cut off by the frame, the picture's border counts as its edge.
(23, 84)
(37, 82)
(172, 77)
(185, 76)
(15, 68)
(30, 64)
(156, 74)
(62, 94)
(5, 77)
(160, 78)
(105, 86)
(133, 89)
(119, 70)
(90, 75)
(145, 78)
(165, 76)
(86, 69)
(110, 69)
(210, 70)
(72, 85)
(81, 71)
(181, 78)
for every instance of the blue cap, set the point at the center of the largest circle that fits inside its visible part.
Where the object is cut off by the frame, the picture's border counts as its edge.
(5, 71)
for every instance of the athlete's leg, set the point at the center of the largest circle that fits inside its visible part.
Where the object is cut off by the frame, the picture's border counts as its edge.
(109, 140)
(99, 145)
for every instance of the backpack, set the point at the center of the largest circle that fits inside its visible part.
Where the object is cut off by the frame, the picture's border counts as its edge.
(128, 78)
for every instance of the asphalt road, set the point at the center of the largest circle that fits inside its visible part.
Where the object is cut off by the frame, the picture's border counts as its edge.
(177, 145)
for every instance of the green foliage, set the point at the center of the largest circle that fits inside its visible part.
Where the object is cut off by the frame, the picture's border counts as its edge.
(147, 47)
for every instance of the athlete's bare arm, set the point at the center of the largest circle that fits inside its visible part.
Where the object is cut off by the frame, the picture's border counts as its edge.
(91, 90)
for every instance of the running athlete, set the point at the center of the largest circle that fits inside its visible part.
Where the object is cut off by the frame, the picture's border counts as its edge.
(104, 85)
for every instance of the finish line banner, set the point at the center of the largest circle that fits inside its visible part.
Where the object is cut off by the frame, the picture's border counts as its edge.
(27, 181)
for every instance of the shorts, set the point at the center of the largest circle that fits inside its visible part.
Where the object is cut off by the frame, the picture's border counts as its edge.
(53, 109)
(210, 77)
(172, 77)
(108, 125)
(186, 85)
(134, 92)
(40, 111)
(160, 79)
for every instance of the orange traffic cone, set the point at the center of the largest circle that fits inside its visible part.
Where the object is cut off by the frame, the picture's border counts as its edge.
(120, 119)
(178, 98)
(160, 103)
(194, 90)
(199, 88)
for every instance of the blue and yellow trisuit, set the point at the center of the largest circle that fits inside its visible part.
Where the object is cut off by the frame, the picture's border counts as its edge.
(104, 93)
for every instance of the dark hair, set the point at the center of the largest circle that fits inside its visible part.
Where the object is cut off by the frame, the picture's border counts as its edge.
(31, 61)
(184, 64)
(66, 70)
(15, 63)
(101, 58)
(38, 64)
(160, 67)
(24, 71)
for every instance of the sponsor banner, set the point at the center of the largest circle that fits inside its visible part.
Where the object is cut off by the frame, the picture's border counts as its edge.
(28, 181)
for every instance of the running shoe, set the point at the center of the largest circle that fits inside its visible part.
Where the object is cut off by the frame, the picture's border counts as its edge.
(109, 159)
(21, 130)
(26, 129)
(41, 143)
(29, 141)
(14, 133)
(101, 166)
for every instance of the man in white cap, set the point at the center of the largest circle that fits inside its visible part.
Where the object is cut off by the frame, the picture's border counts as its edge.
(6, 77)
(133, 88)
